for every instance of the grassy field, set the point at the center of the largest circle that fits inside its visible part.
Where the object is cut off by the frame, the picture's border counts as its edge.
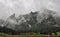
(28, 35)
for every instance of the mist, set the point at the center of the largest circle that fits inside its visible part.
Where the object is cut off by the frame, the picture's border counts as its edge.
(9, 7)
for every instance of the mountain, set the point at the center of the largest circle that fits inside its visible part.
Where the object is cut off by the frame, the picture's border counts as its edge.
(34, 21)
(32, 18)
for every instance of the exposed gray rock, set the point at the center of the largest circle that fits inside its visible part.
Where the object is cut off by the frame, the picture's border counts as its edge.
(33, 21)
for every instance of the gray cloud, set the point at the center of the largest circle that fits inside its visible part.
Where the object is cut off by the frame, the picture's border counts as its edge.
(8, 7)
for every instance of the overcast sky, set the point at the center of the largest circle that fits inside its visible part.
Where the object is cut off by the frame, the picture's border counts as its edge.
(8, 7)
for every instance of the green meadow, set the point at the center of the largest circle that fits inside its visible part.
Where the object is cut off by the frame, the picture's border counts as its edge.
(29, 35)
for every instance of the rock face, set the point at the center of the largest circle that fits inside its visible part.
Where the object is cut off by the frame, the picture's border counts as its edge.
(27, 22)
(44, 15)
(11, 22)
(31, 19)
(34, 21)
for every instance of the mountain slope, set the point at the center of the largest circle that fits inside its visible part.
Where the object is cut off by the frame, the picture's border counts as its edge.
(34, 22)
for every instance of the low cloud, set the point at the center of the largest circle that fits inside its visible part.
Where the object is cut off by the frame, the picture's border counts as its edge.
(8, 7)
